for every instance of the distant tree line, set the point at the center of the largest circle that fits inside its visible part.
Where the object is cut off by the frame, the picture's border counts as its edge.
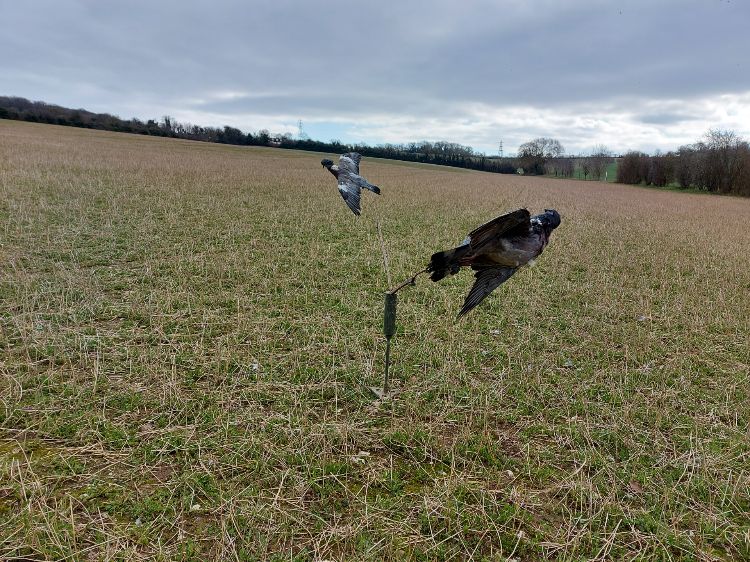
(546, 156)
(442, 153)
(40, 112)
(720, 162)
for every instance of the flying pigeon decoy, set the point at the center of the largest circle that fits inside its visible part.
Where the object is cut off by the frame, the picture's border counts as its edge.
(350, 182)
(495, 251)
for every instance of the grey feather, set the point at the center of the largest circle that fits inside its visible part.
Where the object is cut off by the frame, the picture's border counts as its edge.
(487, 280)
(492, 230)
(349, 162)
(350, 183)
(351, 194)
(364, 184)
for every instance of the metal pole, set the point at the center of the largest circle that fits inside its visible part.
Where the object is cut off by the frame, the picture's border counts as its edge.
(389, 330)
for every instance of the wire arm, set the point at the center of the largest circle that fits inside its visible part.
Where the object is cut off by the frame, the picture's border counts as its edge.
(410, 281)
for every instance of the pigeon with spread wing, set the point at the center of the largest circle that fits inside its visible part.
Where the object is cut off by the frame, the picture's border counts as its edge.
(350, 182)
(495, 251)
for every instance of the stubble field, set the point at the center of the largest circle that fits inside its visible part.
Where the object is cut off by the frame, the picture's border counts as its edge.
(188, 331)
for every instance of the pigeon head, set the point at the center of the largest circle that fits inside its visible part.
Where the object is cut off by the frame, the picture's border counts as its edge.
(550, 218)
(326, 162)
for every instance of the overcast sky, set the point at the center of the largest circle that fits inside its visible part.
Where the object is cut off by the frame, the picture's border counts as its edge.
(630, 74)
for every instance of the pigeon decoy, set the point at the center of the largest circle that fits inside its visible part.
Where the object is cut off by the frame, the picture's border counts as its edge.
(350, 182)
(495, 251)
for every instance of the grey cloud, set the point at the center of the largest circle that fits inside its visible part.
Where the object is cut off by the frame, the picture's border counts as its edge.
(357, 59)
(666, 118)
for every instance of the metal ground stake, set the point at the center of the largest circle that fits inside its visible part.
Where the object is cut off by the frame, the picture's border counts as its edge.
(389, 329)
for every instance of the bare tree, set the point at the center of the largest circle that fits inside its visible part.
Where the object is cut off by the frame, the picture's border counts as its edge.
(534, 154)
(561, 167)
(725, 159)
(719, 162)
(567, 167)
(686, 162)
(600, 159)
(584, 164)
(633, 168)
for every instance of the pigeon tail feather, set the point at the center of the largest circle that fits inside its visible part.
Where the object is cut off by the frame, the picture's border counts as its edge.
(446, 263)
(364, 184)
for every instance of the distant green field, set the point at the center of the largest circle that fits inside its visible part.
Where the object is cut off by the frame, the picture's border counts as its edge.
(188, 331)
(611, 174)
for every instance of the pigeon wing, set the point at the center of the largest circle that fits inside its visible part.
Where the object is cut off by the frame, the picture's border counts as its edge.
(487, 280)
(349, 162)
(489, 231)
(351, 194)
